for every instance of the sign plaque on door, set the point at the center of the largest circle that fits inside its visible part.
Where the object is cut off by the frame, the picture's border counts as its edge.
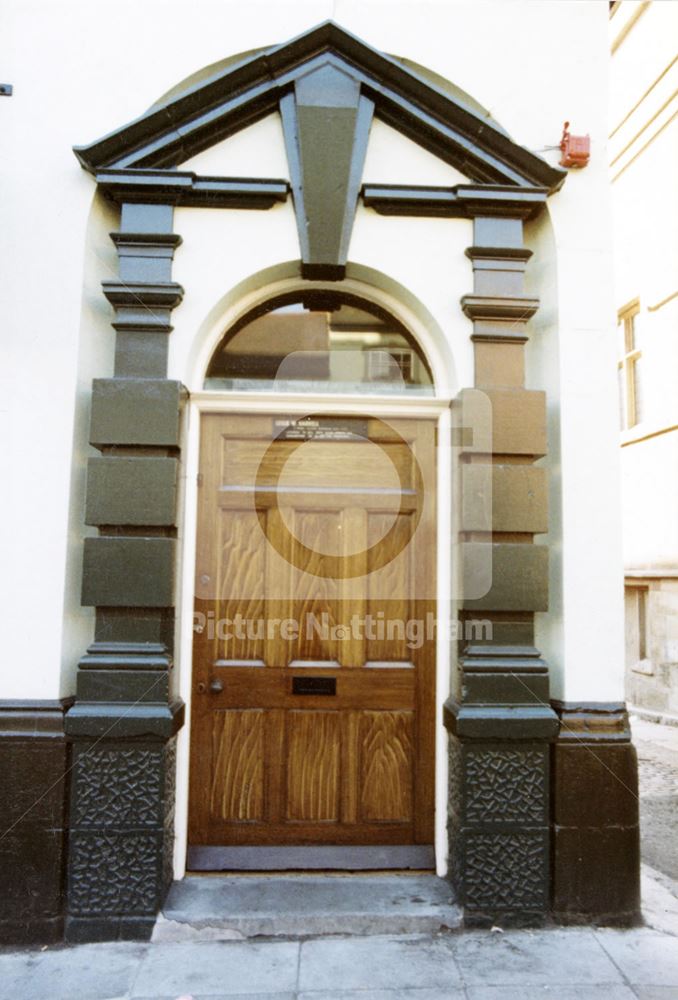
(320, 429)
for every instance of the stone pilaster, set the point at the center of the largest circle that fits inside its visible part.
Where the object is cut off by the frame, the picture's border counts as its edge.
(124, 719)
(499, 717)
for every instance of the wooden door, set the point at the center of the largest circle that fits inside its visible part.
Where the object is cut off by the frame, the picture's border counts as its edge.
(313, 691)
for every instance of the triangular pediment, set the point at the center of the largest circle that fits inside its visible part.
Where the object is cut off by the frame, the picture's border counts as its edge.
(332, 59)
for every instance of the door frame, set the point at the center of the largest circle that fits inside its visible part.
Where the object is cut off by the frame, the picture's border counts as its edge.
(435, 408)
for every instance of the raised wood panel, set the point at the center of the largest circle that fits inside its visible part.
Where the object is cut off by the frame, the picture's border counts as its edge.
(313, 759)
(237, 789)
(241, 548)
(386, 745)
(389, 591)
(316, 594)
(319, 465)
(248, 687)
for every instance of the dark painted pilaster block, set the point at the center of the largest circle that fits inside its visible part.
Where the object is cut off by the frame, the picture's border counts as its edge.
(34, 767)
(123, 490)
(141, 353)
(502, 497)
(128, 572)
(135, 411)
(596, 833)
(146, 218)
(126, 686)
(515, 577)
(149, 626)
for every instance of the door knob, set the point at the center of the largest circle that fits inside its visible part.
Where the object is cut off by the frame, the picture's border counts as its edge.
(216, 686)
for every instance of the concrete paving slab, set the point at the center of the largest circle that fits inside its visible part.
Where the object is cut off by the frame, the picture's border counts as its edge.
(645, 957)
(377, 963)
(659, 895)
(657, 992)
(534, 958)
(549, 993)
(94, 972)
(220, 968)
(225, 996)
(306, 905)
(453, 993)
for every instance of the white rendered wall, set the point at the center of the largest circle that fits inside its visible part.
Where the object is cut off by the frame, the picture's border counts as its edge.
(49, 353)
(572, 356)
(76, 79)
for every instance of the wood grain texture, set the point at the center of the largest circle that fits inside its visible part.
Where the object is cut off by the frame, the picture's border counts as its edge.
(314, 464)
(313, 758)
(390, 589)
(386, 740)
(237, 791)
(316, 595)
(241, 553)
(271, 767)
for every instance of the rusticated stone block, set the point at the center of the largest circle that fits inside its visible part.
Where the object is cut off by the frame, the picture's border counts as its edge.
(135, 411)
(506, 871)
(505, 785)
(128, 572)
(504, 498)
(596, 875)
(131, 491)
(115, 873)
(118, 786)
(516, 419)
(120, 856)
(597, 785)
(515, 577)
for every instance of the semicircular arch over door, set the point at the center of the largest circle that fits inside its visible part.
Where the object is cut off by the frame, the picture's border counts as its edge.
(313, 695)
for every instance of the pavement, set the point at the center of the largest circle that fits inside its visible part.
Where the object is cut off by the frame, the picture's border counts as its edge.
(561, 963)
(657, 748)
(567, 964)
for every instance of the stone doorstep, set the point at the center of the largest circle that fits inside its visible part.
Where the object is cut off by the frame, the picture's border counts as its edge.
(220, 908)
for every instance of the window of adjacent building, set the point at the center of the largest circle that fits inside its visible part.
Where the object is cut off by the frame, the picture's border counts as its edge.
(323, 342)
(630, 370)
(636, 601)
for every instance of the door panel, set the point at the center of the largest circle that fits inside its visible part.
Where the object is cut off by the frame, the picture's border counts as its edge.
(320, 732)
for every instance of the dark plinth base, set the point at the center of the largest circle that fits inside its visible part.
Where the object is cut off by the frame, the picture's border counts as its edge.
(34, 931)
(499, 748)
(34, 761)
(596, 838)
(122, 819)
(86, 930)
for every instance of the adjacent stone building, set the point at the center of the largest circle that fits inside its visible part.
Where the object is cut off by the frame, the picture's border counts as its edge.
(642, 150)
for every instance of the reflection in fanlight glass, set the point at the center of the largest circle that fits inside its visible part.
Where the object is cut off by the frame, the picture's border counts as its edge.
(323, 342)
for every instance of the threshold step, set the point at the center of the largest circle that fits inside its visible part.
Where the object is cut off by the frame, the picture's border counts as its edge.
(214, 908)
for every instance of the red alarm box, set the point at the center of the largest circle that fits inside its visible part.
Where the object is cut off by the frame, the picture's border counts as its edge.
(576, 149)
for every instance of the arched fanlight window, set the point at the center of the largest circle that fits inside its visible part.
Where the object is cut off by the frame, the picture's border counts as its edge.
(319, 341)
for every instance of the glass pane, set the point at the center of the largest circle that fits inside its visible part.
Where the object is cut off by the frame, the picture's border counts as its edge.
(620, 386)
(638, 390)
(323, 342)
(642, 624)
(621, 339)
